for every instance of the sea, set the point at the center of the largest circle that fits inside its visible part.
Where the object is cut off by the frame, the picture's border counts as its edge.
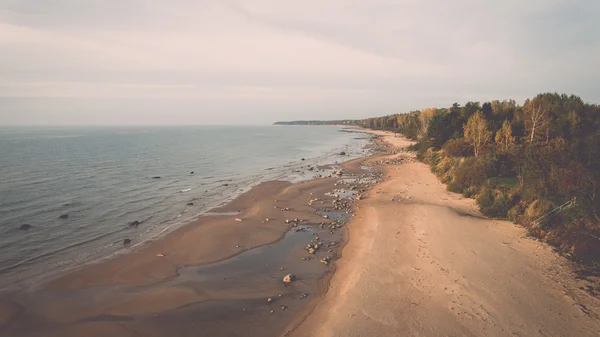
(79, 188)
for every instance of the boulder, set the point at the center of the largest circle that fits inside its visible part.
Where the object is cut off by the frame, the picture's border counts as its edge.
(342, 153)
(289, 278)
(156, 177)
(63, 216)
(303, 159)
(190, 204)
(192, 172)
(126, 241)
(311, 250)
(134, 223)
(25, 227)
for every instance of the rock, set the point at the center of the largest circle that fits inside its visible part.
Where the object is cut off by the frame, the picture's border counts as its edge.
(225, 185)
(25, 227)
(63, 216)
(156, 177)
(342, 153)
(190, 204)
(126, 241)
(269, 300)
(289, 278)
(134, 223)
(283, 307)
(238, 219)
(192, 172)
(311, 250)
(303, 159)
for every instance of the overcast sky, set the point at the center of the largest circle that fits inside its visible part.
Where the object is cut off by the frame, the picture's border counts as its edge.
(258, 61)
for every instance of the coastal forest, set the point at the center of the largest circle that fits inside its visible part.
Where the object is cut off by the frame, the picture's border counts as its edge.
(536, 164)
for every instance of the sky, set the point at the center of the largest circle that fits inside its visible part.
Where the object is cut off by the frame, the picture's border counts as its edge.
(178, 62)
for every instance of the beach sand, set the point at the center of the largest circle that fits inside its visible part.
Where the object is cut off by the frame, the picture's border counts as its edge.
(422, 261)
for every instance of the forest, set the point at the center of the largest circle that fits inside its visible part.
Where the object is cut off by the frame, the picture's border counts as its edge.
(536, 164)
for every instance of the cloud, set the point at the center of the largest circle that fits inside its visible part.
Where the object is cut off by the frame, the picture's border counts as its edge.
(329, 56)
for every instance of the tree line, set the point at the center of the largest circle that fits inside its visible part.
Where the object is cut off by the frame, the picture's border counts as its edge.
(519, 161)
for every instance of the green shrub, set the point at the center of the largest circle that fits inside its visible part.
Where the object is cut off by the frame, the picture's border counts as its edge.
(494, 203)
(471, 172)
(458, 148)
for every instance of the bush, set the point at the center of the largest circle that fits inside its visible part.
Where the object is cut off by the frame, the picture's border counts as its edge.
(471, 172)
(494, 203)
(458, 148)
(537, 209)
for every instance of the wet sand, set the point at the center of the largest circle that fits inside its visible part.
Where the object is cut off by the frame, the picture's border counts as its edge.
(421, 261)
(212, 277)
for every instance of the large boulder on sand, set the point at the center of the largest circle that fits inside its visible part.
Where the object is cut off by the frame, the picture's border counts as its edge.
(289, 278)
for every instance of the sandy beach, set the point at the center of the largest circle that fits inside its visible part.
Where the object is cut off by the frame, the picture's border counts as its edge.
(215, 274)
(422, 261)
(417, 261)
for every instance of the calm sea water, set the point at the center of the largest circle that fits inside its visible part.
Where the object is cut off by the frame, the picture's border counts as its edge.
(102, 178)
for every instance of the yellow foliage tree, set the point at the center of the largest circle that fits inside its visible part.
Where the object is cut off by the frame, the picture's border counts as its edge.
(424, 117)
(504, 137)
(476, 132)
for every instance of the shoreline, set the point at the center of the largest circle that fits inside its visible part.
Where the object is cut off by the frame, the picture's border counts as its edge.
(210, 240)
(95, 232)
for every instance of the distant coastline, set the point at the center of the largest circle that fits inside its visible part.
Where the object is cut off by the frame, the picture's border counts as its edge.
(343, 122)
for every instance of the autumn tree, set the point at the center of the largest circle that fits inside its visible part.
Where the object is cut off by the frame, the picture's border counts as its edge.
(476, 132)
(504, 137)
(424, 117)
(536, 115)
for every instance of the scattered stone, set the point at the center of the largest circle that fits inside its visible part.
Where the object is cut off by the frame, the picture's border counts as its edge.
(303, 159)
(342, 153)
(238, 220)
(225, 185)
(63, 216)
(126, 241)
(156, 177)
(283, 307)
(272, 311)
(311, 250)
(192, 172)
(289, 278)
(269, 300)
(190, 204)
(25, 227)
(161, 255)
(303, 296)
(134, 223)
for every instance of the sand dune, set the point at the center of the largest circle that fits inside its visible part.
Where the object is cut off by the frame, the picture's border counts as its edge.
(424, 262)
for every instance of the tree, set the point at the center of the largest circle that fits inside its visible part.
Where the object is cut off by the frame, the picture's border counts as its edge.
(476, 132)
(425, 116)
(536, 115)
(504, 137)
